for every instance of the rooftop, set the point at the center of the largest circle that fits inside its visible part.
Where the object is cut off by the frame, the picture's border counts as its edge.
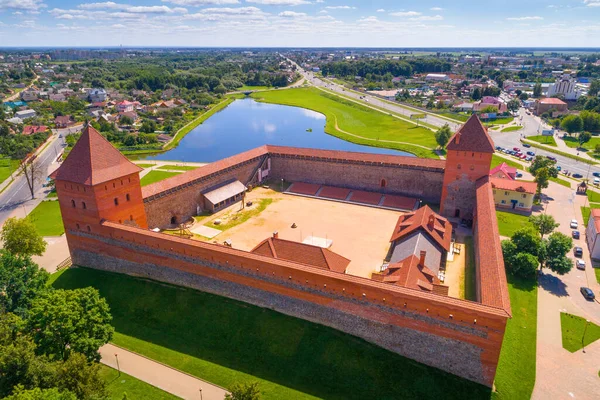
(504, 167)
(552, 100)
(411, 273)
(471, 136)
(425, 219)
(517, 186)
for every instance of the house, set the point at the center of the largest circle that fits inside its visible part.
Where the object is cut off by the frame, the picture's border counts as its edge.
(551, 103)
(163, 138)
(31, 129)
(29, 95)
(504, 171)
(419, 248)
(490, 101)
(97, 95)
(567, 87)
(464, 107)
(129, 114)
(24, 114)
(124, 106)
(437, 77)
(592, 234)
(57, 97)
(64, 121)
(513, 195)
(307, 254)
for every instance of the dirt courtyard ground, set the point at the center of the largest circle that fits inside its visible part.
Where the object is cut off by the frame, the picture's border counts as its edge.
(359, 233)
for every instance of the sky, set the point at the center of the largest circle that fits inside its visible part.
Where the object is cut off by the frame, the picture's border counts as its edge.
(301, 23)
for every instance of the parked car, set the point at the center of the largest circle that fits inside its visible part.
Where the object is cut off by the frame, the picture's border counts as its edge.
(551, 158)
(580, 264)
(587, 293)
(530, 153)
(575, 234)
(516, 149)
(574, 224)
(519, 175)
(578, 251)
(558, 168)
(579, 176)
(596, 174)
(526, 145)
(596, 181)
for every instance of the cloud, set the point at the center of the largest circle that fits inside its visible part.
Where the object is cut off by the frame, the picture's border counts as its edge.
(372, 19)
(381, 10)
(592, 3)
(279, 2)
(535, 18)
(340, 8)
(405, 14)
(235, 11)
(198, 3)
(428, 18)
(291, 14)
(104, 5)
(154, 9)
(27, 5)
(65, 16)
(436, 8)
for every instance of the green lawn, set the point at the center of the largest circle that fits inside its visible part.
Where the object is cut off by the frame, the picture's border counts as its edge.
(561, 153)
(120, 384)
(573, 327)
(573, 143)
(7, 167)
(560, 181)
(511, 128)
(457, 116)
(547, 140)
(501, 121)
(586, 211)
(47, 218)
(246, 88)
(515, 376)
(369, 125)
(468, 285)
(240, 217)
(593, 197)
(497, 160)
(155, 176)
(225, 342)
(178, 167)
(597, 272)
(509, 223)
(145, 165)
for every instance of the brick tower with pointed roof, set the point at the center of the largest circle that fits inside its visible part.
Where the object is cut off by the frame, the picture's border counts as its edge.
(468, 159)
(95, 183)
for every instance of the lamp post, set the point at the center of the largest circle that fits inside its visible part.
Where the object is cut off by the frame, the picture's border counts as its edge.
(587, 322)
(118, 368)
(200, 393)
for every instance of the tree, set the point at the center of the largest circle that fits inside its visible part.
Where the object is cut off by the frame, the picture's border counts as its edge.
(524, 265)
(21, 393)
(526, 240)
(523, 96)
(583, 138)
(572, 123)
(560, 265)
(513, 105)
(244, 391)
(476, 95)
(20, 237)
(594, 87)
(543, 169)
(66, 321)
(125, 120)
(443, 135)
(558, 245)
(537, 90)
(543, 223)
(80, 377)
(21, 281)
(32, 172)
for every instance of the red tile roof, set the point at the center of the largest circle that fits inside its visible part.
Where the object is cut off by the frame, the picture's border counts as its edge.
(358, 196)
(412, 274)
(493, 288)
(426, 220)
(31, 129)
(331, 192)
(94, 160)
(400, 202)
(307, 254)
(509, 171)
(595, 215)
(552, 100)
(472, 136)
(310, 189)
(515, 186)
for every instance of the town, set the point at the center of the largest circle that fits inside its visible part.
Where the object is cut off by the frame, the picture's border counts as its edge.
(229, 222)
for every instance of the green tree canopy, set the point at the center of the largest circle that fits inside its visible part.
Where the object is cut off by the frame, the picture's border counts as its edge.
(572, 123)
(543, 223)
(558, 245)
(513, 105)
(19, 236)
(537, 90)
(21, 281)
(443, 135)
(244, 391)
(583, 138)
(65, 321)
(524, 265)
(594, 87)
(40, 394)
(526, 240)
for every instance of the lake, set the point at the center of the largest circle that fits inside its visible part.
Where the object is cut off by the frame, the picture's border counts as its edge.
(246, 124)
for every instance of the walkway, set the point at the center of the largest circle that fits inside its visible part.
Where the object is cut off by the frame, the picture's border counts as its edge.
(166, 378)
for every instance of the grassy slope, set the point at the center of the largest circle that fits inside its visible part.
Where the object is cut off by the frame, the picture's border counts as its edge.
(573, 143)
(468, 286)
(356, 119)
(547, 140)
(497, 160)
(177, 167)
(7, 166)
(511, 128)
(47, 218)
(515, 376)
(155, 176)
(119, 384)
(225, 341)
(509, 223)
(141, 165)
(572, 328)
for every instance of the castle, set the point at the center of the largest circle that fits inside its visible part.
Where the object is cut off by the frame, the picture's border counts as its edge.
(107, 216)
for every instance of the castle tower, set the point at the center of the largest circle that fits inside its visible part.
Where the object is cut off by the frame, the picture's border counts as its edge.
(468, 158)
(95, 183)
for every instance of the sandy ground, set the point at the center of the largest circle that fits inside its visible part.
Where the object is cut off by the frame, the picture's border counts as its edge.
(455, 271)
(359, 233)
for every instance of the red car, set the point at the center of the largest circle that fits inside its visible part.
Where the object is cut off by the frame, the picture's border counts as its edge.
(516, 149)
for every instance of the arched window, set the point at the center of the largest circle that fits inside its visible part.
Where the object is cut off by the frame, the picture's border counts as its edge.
(173, 220)
(84, 205)
(89, 229)
(458, 166)
(383, 183)
(116, 201)
(73, 203)
(472, 167)
(127, 197)
(77, 226)
(131, 217)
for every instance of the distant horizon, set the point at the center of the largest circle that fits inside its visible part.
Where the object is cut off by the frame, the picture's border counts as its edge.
(429, 48)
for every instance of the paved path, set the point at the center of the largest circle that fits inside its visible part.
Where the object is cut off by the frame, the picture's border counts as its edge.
(160, 375)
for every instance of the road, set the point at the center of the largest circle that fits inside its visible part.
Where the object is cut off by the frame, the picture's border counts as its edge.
(531, 126)
(18, 94)
(375, 101)
(18, 192)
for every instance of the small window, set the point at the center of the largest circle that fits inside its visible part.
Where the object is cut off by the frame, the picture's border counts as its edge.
(472, 154)
(173, 220)
(521, 204)
(472, 167)
(78, 227)
(506, 193)
(523, 195)
(458, 166)
(73, 203)
(84, 205)
(105, 187)
(503, 202)
(89, 229)
(129, 180)
(131, 217)
(383, 183)
(114, 186)
(116, 201)
(127, 197)
(121, 182)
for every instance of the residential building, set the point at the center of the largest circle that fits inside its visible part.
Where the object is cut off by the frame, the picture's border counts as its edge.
(29, 95)
(24, 114)
(63, 121)
(504, 171)
(551, 103)
(566, 86)
(124, 106)
(97, 95)
(437, 77)
(31, 129)
(513, 195)
(592, 234)
(490, 101)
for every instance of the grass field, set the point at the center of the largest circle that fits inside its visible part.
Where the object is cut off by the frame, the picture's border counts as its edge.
(371, 127)
(593, 196)
(511, 128)
(561, 153)
(7, 167)
(225, 341)
(145, 165)
(560, 181)
(155, 176)
(47, 218)
(509, 223)
(456, 116)
(243, 216)
(573, 327)
(120, 384)
(246, 87)
(468, 285)
(547, 140)
(515, 376)
(586, 211)
(597, 272)
(178, 167)
(573, 143)
(497, 160)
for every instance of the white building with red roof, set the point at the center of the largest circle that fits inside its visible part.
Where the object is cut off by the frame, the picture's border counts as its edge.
(592, 234)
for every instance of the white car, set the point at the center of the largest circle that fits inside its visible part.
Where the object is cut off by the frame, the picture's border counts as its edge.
(574, 224)
(580, 263)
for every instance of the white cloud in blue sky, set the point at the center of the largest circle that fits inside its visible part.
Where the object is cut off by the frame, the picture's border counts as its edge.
(311, 23)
